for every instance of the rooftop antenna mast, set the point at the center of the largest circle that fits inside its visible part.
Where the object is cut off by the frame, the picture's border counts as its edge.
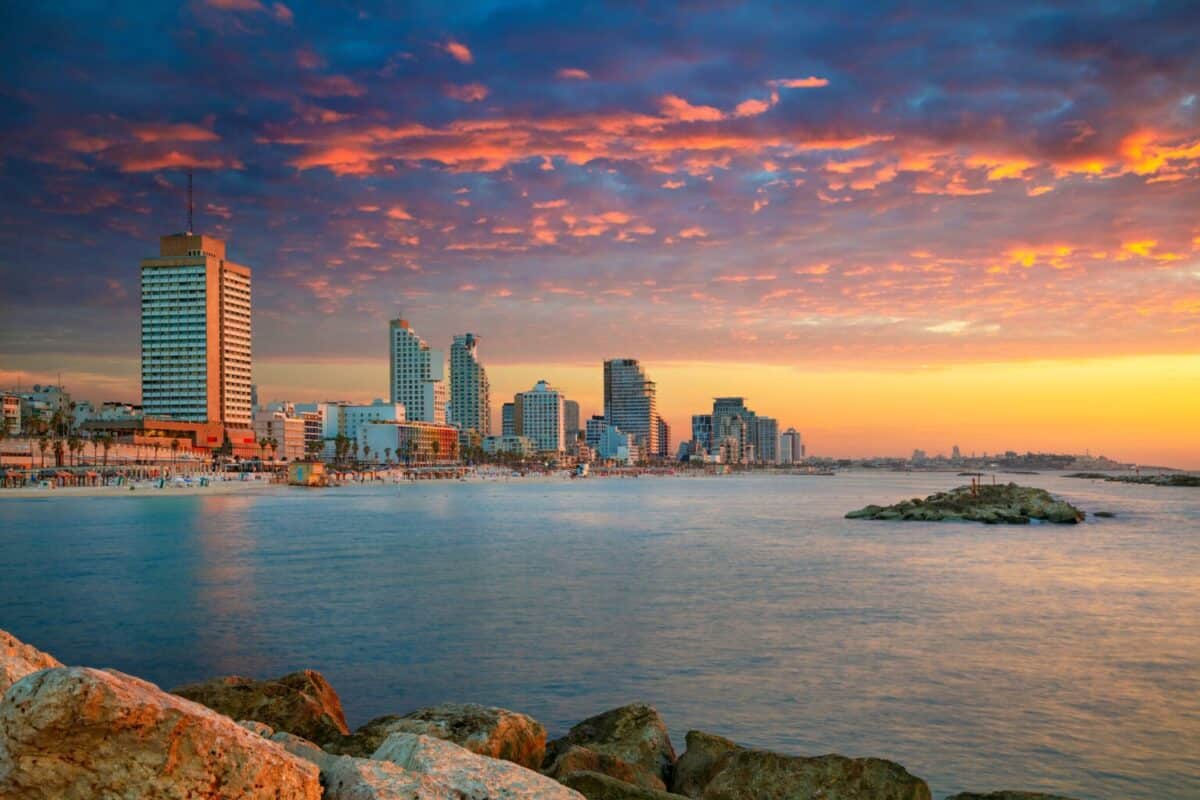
(189, 227)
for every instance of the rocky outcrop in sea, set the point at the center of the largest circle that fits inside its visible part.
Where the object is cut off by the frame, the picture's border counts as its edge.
(1004, 503)
(77, 732)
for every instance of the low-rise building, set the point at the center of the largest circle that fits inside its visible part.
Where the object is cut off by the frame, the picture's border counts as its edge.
(408, 443)
(515, 445)
(283, 434)
(10, 413)
(618, 446)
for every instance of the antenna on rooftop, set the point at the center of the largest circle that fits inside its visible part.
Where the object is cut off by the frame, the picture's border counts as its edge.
(189, 227)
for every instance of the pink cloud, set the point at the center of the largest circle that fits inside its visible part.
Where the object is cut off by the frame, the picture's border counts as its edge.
(466, 93)
(811, 82)
(572, 74)
(675, 107)
(459, 52)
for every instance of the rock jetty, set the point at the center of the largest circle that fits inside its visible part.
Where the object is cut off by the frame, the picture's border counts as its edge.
(1005, 503)
(1156, 479)
(77, 732)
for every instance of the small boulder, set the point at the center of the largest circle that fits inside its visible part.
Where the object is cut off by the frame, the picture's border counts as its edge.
(18, 659)
(79, 732)
(581, 759)
(595, 786)
(635, 734)
(302, 703)
(477, 777)
(754, 774)
(704, 757)
(254, 726)
(484, 730)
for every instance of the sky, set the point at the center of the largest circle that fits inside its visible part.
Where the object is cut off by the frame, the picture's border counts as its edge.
(888, 225)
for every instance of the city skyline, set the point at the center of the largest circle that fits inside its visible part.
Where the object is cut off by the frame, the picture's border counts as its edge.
(997, 246)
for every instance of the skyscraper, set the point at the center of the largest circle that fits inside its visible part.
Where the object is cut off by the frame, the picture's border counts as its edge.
(196, 361)
(791, 451)
(541, 413)
(630, 402)
(418, 374)
(571, 421)
(767, 440)
(469, 389)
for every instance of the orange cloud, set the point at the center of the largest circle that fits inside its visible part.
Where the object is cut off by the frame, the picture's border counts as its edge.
(572, 74)
(168, 132)
(459, 52)
(811, 82)
(675, 107)
(466, 93)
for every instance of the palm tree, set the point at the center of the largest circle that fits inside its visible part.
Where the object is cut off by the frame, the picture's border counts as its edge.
(157, 446)
(106, 441)
(262, 448)
(44, 446)
(314, 448)
(174, 452)
(410, 450)
(436, 448)
(366, 449)
(273, 443)
(75, 445)
(387, 455)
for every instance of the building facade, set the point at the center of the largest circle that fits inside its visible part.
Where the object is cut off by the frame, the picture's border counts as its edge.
(791, 449)
(196, 333)
(664, 439)
(571, 423)
(508, 423)
(418, 374)
(542, 418)
(630, 401)
(766, 441)
(10, 413)
(594, 430)
(409, 443)
(285, 432)
(514, 445)
(470, 399)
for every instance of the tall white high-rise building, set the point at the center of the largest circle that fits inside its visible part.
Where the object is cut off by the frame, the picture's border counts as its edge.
(418, 374)
(542, 417)
(470, 399)
(630, 402)
(196, 364)
(791, 450)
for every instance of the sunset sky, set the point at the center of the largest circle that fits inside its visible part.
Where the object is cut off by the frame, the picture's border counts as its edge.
(891, 226)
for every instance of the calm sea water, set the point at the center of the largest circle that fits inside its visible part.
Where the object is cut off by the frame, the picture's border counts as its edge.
(1049, 658)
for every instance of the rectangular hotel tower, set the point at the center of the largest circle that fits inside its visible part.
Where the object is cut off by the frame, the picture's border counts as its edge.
(196, 333)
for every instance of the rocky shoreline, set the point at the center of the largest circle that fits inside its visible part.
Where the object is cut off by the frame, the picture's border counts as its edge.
(78, 732)
(1157, 479)
(1004, 503)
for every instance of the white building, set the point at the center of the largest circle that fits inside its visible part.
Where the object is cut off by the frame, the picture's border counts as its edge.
(285, 430)
(418, 374)
(353, 418)
(196, 360)
(791, 449)
(517, 445)
(618, 446)
(542, 417)
(470, 399)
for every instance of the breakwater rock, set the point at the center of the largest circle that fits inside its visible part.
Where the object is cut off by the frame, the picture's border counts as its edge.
(1156, 479)
(76, 732)
(1005, 503)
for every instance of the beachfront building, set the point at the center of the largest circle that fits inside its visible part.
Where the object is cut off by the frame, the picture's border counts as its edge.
(791, 448)
(10, 413)
(507, 443)
(418, 374)
(469, 389)
(540, 411)
(617, 446)
(508, 422)
(630, 401)
(766, 440)
(664, 439)
(354, 417)
(284, 432)
(571, 419)
(702, 433)
(196, 360)
(594, 430)
(409, 443)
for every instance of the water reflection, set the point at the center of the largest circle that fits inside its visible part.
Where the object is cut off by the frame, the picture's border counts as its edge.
(1061, 659)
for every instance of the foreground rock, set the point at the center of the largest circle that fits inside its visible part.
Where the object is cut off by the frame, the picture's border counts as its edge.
(1008, 795)
(1002, 503)
(477, 777)
(74, 732)
(580, 759)
(721, 770)
(18, 659)
(635, 734)
(484, 730)
(302, 703)
(596, 786)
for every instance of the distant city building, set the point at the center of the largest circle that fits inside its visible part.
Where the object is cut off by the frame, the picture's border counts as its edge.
(469, 388)
(956, 454)
(618, 446)
(108, 411)
(514, 445)
(42, 403)
(571, 419)
(791, 451)
(702, 432)
(664, 439)
(418, 374)
(196, 359)
(541, 417)
(508, 425)
(766, 440)
(10, 413)
(594, 430)
(407, 442)
(630, 401)
(285, 429)
(354, 417)
(735, 430)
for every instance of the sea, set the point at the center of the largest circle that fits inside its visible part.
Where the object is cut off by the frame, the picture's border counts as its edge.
(1055, 658)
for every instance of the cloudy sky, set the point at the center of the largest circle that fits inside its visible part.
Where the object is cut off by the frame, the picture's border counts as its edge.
(892, 226)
